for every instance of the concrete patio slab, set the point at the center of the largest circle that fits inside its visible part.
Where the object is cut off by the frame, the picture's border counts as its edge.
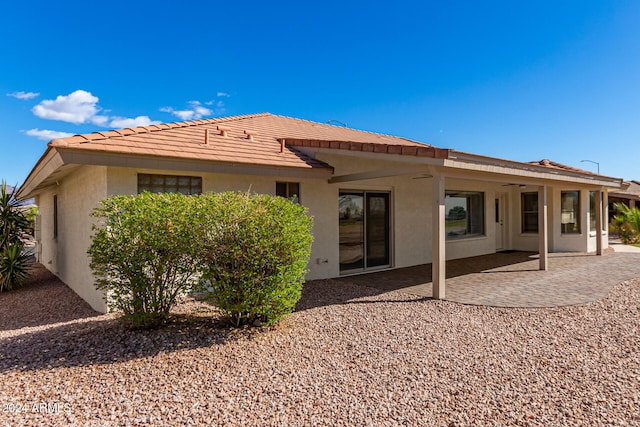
(512, 279)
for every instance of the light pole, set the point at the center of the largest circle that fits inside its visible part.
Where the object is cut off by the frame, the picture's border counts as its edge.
(596, 163)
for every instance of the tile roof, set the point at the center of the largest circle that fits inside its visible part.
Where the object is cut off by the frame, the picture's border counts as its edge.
(555, 165)
(631, 190)
(260, 139)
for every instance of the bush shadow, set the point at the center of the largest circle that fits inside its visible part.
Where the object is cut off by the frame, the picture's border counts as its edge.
(327, 292)
(106, 340)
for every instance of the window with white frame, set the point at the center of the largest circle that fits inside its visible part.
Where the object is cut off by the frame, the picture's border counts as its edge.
(592, 210)
(593, 202)
(570, 212)
(529, 207)
(464, 214)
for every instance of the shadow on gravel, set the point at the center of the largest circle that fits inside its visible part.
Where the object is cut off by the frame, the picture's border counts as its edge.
(321, 293)
(106, 340)
(71, 333)
(318, 293)
(42, 300)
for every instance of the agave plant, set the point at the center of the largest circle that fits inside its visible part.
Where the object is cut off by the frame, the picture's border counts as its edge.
(14, 266)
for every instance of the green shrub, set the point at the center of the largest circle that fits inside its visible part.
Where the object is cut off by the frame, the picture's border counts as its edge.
(143, 254)
(14, 264)
(31, 216)
(626, 223)
(254, 250)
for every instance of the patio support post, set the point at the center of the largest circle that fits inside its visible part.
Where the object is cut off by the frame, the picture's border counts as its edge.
(543, 242)
(599, 237)
(605, 212)
(438, 238)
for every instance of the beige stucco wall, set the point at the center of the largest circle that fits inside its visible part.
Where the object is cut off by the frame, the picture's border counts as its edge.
(585, 241)
(528, 241)
(480, 245)
(319, 198)
(410, 201)
(66, 256)
(412, 211)
(592, 236)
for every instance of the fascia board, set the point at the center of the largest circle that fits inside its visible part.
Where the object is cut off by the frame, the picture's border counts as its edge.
(71, 156)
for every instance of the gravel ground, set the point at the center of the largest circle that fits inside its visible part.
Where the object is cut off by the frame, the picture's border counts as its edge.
(349, 356)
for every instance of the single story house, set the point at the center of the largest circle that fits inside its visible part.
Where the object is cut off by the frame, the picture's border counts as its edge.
(379, 201)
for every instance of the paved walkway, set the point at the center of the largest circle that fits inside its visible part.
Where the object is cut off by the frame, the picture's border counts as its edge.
(513, 279)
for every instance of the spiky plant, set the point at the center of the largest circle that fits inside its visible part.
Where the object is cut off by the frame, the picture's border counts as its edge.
(14, 266)
(14, 263)
(12, 219)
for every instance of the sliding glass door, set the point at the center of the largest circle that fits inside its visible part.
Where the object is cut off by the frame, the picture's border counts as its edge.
(364, 230)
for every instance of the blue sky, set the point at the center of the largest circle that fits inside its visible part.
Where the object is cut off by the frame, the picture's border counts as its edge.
(516, 80)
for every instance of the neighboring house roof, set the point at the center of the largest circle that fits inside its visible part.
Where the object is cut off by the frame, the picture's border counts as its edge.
(632, 191)
(270, 143)
(555, 165)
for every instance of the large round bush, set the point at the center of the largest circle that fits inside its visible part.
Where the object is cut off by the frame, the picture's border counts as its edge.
(143, 254)
(254, 249)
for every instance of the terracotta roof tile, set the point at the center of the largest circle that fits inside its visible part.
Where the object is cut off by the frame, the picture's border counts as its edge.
(555, 165)
(186, 140)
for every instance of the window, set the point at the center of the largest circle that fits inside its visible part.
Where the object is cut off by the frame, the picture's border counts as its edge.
(529, 205)
(593, 202)
(570, 212)
(55, 216)
(289, 190)
(592, 211)
(464, 214)
(169, 184)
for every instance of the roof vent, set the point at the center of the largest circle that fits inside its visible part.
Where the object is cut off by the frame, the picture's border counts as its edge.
(224, 130)
(206, 137)
(250, 134)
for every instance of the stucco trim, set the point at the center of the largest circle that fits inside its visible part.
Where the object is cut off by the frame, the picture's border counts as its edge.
(71, 156)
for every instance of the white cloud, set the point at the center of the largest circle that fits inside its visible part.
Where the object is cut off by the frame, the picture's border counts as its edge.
(183, 114)
(82, 107)
(47, 135)
(24, 95)
(223, 95)
(100, 120)
(77, 107)
(125, 122)
(197, 111)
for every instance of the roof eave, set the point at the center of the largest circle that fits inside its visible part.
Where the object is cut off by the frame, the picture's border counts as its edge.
(146, 161)
(48, 163)
(510, 167)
